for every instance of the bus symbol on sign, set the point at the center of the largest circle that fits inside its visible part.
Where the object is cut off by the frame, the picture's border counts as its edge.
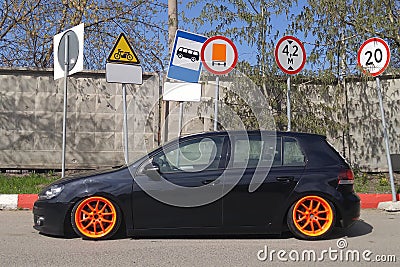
(191, 54)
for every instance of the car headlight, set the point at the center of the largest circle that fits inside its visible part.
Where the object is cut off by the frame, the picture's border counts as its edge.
(52, 192)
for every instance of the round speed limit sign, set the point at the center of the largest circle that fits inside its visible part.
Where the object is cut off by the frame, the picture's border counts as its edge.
(374, 56)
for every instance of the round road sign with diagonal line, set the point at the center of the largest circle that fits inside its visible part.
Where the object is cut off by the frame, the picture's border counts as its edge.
(290, 55)
(73, 50)
(75, 42)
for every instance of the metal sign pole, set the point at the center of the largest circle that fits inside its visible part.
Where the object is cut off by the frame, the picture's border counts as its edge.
(66, 67)
(288, 105)
(180, 122)
(160, 103)
(216, 97)
(385, 135)
(125, 123)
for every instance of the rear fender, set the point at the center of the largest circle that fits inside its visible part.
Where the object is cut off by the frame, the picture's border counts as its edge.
(308, 186)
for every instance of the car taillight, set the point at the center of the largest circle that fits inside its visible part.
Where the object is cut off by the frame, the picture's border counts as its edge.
(346, 177)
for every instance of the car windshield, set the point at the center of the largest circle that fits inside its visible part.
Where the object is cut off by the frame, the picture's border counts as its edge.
(137, 155)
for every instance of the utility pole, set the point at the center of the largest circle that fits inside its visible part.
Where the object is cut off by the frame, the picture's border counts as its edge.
(342, 81)
(172, 22)
(172, 27)
(263, 50)
(346, 100)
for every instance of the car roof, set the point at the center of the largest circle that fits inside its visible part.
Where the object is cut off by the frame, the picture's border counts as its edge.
(251, 132)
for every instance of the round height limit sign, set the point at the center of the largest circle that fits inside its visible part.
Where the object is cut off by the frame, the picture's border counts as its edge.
(290, 55)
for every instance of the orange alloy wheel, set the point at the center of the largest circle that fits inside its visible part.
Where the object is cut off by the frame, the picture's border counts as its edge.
(95, 217)
(312, 216)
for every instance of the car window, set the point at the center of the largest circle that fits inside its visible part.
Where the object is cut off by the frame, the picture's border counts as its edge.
(191, 156)
(254, 150)
(292, 154)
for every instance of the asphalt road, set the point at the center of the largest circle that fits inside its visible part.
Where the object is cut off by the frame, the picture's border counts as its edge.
(377, 234)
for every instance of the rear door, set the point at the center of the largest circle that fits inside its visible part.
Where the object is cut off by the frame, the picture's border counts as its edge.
(257, 209)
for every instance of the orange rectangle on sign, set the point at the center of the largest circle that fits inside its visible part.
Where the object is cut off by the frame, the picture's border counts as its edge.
(218, 52)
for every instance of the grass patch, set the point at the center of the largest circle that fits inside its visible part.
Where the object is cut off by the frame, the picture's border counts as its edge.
(33, 183)
(375, 183)
(25, 184)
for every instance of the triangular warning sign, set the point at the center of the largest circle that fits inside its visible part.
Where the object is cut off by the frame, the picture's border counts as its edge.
(122, 52)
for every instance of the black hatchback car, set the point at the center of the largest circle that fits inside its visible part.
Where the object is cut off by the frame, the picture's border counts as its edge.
(251, 182)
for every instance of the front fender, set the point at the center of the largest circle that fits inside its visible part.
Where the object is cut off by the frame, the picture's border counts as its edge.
(119, 191)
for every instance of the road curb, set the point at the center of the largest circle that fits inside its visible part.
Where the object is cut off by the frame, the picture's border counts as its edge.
(371, 201)
(25, 201)
(17, 201)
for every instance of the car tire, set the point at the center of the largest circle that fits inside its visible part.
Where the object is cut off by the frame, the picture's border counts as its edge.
(311, 217)
(95, 218)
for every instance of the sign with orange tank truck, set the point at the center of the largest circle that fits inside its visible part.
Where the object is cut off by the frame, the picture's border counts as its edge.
(219, 55)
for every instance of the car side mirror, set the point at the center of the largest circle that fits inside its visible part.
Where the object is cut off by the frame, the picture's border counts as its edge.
(152, 171)
(151, 168)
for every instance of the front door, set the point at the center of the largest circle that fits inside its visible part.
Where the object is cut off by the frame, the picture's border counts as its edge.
(191, 163)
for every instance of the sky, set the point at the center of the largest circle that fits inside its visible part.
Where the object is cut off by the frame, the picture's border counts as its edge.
(245, 51)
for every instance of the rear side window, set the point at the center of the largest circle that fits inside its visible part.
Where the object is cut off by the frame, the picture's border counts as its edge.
(292, 154)
(249, 153)
(282, 151)
(320, 153)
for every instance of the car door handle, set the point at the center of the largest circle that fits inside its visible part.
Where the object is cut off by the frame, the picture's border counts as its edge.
(285, 178)
(210, 181)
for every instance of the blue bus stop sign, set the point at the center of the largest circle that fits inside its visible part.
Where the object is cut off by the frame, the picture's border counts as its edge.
(185, 64)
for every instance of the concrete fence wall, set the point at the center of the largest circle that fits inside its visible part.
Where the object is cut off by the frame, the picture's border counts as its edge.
(367, 145)
(364, 144)
(31, 111)
(31, 114)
